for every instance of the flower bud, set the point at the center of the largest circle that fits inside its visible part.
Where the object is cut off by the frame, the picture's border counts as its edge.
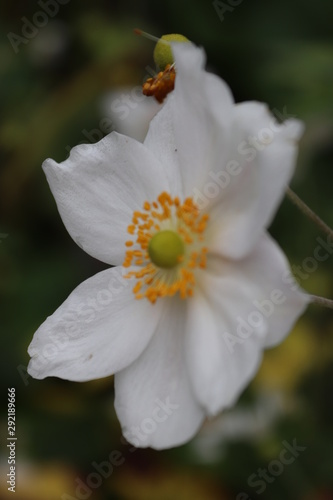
(163, 51)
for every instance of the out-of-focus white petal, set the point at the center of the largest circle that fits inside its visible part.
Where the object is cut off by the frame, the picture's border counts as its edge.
(263, 154)
(154, 399)
(97, 189)
(130, 111)
(97, 331)
(237, 310)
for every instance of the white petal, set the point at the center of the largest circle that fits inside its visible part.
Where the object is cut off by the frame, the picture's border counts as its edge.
(202, 110)
(275, 295)
(97, 189)
(237, 310)
(154, 401)
(281, 300)
(161, 141)
(97, 331)
(220, 363)
(249, 197)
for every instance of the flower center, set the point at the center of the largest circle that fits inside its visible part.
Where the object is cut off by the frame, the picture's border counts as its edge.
(167, 247)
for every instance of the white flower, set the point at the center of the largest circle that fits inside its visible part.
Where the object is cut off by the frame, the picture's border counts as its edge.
(211, 287)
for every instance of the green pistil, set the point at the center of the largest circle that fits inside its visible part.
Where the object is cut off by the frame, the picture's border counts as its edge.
(166, 249)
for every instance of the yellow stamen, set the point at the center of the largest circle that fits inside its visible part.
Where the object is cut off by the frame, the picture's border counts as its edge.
(161, 85)
(167, 247)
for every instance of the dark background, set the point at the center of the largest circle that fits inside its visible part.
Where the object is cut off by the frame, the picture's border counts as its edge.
(52, 86)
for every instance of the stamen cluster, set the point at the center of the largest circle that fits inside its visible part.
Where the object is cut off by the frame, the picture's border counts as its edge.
(161, 84)
(189, 223)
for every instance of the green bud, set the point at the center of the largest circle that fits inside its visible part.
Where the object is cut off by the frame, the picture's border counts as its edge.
(163, 52)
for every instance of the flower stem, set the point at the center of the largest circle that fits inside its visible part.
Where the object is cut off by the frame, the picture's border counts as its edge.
(303, 207)
(322, 301)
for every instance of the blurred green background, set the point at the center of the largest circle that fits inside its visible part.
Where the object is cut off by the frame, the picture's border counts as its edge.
(53, 86)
